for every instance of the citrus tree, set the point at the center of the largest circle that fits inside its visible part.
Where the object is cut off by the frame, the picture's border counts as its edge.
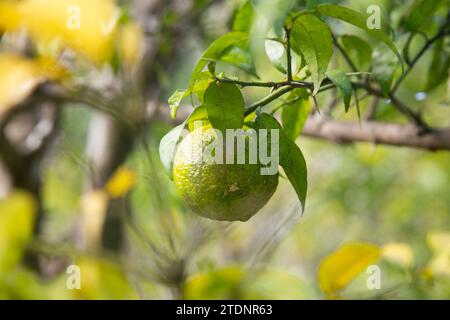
(340, 71)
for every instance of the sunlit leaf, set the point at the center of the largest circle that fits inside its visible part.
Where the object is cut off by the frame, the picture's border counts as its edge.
(339, 268)
(175, 100)
(311, 37)
(342, 82)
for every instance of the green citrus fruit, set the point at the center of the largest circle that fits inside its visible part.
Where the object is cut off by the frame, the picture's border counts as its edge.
(219, 191)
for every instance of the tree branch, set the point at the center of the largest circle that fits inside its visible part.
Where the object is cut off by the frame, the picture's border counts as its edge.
(379, 133)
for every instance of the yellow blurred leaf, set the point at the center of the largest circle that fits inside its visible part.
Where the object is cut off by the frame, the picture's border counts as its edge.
(338, 269)
(93, 212)
(9, 15)
(130, 40)
(102, 279)
(85, 26)
(439, 264)
(18, 78)
(121, 182)
(400, 254)
(439, 241)
(221, 283)
(17, 214)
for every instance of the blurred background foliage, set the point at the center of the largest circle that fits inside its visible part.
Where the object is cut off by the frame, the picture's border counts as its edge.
(387, 206)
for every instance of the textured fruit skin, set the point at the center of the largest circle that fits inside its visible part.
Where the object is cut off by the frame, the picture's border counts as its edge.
(227, 192)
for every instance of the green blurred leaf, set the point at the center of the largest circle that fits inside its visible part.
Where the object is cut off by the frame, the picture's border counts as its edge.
(421, 13)
(440, 64)
(383, 67)
(294, 115)
(291, 157)
(225, 105)
(243, 19)
(359, 20)
(359, 51)
(342, 82)
(311, 37)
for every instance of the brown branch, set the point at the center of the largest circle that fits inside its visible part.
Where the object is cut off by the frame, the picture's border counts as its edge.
(379, 133)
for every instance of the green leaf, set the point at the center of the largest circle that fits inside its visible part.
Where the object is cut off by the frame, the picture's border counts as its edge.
(215, 51)
(168, 147)
(294, 115)
(241, 58)
(383, 67)
(243, 19)
(421, 13)
(359, 51)
(359, 20)
(175, 100)
(311, 37)
(277, 54)
(225, 105)
(342, 82)
(202, 83)
(291, 157)
(440, 64)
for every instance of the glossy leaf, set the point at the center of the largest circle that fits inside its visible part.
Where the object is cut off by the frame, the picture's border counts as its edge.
(291, 157)
(311, 37)
(225, 105)
(440, 66)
